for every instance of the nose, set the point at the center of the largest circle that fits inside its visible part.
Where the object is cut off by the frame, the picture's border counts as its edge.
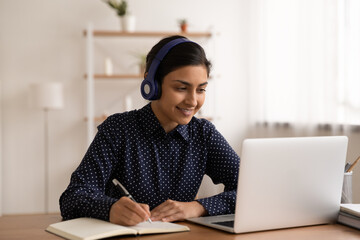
(191, 99)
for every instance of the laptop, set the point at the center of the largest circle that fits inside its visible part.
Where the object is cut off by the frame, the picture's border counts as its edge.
(284, 183)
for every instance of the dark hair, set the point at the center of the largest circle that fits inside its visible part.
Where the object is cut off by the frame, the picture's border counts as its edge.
(181, 55)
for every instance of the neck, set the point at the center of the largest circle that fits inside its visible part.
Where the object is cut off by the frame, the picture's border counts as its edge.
(166, 125)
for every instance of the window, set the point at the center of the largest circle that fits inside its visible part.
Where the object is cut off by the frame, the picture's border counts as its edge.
(305, 61)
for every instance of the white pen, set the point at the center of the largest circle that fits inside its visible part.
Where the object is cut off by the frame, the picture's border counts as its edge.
(124, 192)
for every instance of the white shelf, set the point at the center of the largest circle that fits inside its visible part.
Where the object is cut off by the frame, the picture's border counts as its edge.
(90, 76)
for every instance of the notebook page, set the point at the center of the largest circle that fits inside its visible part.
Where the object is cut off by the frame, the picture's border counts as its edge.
(159, 227)
(88, 229)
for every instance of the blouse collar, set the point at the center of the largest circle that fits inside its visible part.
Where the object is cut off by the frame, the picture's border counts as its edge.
(152, 126)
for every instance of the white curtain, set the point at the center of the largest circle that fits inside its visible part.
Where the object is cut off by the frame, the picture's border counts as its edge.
(304, 58)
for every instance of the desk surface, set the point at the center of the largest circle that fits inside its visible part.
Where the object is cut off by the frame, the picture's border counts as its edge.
(32, 227)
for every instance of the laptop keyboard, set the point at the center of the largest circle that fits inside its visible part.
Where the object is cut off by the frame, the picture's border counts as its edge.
(226, 223)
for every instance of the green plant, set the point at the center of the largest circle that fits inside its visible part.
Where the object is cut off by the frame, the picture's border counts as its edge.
(119, 5)
(141, 61)
(182, 22)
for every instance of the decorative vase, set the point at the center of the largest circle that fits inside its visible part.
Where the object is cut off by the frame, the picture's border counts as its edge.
(128, 23)
(108, 65)
(183, 28)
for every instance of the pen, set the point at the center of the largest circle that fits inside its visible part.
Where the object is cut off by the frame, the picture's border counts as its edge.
(124, 192)
(353, 165)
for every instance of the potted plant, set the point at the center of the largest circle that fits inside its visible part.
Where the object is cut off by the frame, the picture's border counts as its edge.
(141, 62)
(119, 6)
(127, 20)
(183, 25)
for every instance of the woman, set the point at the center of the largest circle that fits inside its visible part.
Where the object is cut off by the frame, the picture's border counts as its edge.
(160, 153)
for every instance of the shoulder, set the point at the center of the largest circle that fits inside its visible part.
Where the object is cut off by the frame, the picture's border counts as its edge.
(201, 122)
(119, 122)
(202, 126)
(208, 132)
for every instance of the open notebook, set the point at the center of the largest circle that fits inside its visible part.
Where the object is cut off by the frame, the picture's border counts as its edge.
(91, 228)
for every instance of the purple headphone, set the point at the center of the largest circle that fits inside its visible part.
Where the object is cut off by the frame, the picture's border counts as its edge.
(149, 86)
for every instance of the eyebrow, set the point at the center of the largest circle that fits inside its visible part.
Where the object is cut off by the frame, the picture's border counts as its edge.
(189, 84)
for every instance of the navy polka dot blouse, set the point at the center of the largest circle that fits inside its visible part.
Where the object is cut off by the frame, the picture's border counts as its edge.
(152, 165)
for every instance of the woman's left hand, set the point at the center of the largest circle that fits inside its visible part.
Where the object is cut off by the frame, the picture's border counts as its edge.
(170, 211)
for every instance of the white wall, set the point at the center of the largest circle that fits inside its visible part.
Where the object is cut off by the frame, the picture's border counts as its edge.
(42, 41)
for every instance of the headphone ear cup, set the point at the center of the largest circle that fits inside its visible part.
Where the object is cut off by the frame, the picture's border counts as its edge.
(149, 89)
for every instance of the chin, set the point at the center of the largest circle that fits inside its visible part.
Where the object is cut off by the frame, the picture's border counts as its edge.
(185, 121)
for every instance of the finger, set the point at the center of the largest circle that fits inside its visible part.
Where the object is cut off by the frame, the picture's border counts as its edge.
(123, 216)
(123, 213)
(127, 212)
(128, 219)
(173, 214)
(139, 209)
(165, 206)
(179, 216)
(165, 212)
(169, 217)
(169, 209)
(146, 208)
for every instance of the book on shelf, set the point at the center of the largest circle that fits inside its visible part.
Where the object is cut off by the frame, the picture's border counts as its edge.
(91, 228)
(350, 215)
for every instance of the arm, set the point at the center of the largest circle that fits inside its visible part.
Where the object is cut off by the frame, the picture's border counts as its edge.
(222, 167)
(88, 194)
(85, 195)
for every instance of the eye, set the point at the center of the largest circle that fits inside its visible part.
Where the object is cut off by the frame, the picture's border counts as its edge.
(201, 90)
(181, 88)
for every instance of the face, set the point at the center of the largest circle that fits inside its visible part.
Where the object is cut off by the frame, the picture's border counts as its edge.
(183, 94)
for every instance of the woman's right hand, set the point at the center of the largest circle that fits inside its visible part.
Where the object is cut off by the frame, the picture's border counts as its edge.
(128, 213)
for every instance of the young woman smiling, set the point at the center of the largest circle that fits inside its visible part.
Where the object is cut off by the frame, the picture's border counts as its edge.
(160, 152)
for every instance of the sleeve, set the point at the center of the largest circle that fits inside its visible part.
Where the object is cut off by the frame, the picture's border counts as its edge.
(222, 167)
(85, 196)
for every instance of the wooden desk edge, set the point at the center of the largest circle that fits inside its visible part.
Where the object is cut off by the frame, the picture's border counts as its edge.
(33, 227)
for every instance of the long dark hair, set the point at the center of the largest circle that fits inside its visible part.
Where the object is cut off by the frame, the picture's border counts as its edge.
(181, 55)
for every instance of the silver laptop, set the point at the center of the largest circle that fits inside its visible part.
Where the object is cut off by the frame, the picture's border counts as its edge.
(286, 182)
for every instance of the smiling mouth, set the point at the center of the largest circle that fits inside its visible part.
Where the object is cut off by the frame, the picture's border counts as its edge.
(186, 111)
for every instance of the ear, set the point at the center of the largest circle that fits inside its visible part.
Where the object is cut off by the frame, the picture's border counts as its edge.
(145, 74)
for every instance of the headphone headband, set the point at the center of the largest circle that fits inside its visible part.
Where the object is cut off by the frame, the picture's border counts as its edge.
(149, 87)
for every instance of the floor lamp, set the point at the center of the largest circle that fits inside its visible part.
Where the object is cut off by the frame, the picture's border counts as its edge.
(48, 96)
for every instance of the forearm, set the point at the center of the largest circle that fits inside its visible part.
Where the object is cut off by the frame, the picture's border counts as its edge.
(80, 202)
(223, 203)
(172, 210)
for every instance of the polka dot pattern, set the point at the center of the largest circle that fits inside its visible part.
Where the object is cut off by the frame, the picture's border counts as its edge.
(153, 165)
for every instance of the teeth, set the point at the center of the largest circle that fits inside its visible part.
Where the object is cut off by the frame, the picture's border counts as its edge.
(185, 110)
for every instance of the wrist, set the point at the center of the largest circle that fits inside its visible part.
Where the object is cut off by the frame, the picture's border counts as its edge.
(200, 210)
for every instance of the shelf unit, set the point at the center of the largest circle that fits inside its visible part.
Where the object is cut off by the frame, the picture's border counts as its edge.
(98, 33)
(116, 76)
(90, 76)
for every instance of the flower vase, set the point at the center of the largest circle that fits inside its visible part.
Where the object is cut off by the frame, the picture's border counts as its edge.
(183, 28)
(128, 23)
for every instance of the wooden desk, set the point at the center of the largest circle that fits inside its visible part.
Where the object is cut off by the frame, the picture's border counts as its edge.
(32, 227)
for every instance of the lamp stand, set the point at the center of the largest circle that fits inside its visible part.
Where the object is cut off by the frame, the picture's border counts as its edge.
(46, 161)
(47, 96)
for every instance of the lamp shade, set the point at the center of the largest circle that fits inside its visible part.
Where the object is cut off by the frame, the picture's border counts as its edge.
(49, 95)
